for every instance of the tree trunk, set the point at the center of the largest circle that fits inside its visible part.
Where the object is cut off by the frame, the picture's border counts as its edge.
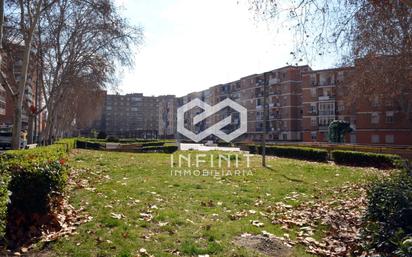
(30, 129)
(15, 143)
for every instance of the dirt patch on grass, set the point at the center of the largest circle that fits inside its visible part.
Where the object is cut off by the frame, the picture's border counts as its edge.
(266, 245)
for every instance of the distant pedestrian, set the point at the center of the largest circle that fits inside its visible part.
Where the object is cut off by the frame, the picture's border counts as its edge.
(23, 139)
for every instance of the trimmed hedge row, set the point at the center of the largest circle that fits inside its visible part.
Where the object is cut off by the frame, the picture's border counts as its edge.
(366, 159)
(89, 145)
(158, 149)
(4, 199)
(29, 180)
(302, 153)
(160, 143)
(352, 158)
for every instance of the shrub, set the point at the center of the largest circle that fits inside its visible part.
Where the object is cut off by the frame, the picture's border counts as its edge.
(225, 144)
(158, 149)
(32, 177)
(159, 143)
(388, 220)
(68, 143)
(302, 153)
(113, 139)
(4, 199)
(366, 159)
(89, 145)
(102, 135)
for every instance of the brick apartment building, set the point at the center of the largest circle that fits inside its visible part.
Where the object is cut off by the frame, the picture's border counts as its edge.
(31, 97)
(376, 121)
(301, 104)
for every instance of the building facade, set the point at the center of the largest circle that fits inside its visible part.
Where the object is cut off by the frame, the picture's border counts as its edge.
(13, 60)
(301, 104)
(376, 121)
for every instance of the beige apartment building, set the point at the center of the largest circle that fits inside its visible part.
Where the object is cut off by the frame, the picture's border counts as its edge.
(131, 115)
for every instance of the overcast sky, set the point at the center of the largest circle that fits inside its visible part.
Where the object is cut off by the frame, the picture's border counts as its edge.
(191, 45)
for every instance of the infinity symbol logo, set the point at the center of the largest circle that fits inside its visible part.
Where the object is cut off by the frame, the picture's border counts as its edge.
(208, 111)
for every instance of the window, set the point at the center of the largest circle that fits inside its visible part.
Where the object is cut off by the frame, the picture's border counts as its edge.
(313, 92)
(375, 118)
(389, 117)
(389, 139)
(389, 103)
(313, 121)
(375, 139)
(285, 136)
(375, 102)
(313, 135)
(312, 108)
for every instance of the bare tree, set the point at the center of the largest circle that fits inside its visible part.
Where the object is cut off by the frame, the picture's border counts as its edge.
(23, 15)
(82, 43)
(373, 36)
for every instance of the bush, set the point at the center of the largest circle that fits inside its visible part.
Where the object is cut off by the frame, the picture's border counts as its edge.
(366, 159)
(89, 145)
(113, 139)
(4, 199)
(302, 153)
(225, 144)
(388, 220)
(158, 149)
(68, 143)
(159, 143)
(33, 177)
(102, 135)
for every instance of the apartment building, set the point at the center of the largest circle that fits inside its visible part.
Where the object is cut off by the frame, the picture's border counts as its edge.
(131, 115)
(322, 93)
(14, 61)
(284, 87)
(135, 115)
(301, 104)
(374, 121)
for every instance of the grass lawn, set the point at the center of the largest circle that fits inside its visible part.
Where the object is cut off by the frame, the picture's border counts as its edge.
(136, 203)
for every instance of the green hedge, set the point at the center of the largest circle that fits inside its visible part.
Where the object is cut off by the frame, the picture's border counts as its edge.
(388, 218)
(29, 180)
(158, 149)
(365, 159)
(4, 199)
(159, 143)
(302, 153)
(89, 145)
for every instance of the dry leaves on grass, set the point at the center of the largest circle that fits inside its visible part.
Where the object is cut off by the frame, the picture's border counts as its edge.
(25, 230)
(341, 216)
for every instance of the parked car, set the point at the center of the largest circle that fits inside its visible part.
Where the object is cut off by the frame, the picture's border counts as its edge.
(5, 138)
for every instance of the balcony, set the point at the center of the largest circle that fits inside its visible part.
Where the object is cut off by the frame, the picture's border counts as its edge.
(327, 113)
(273, 81)
(326, 98)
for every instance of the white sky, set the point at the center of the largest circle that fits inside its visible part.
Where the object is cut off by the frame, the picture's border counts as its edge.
(191, 45)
